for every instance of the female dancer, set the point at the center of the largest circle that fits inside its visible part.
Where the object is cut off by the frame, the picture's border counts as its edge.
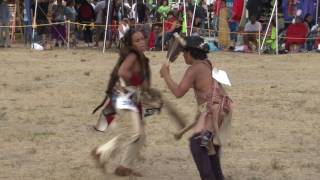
(130, 76)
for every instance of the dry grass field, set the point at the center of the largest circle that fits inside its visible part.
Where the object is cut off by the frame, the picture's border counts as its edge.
(46, 99)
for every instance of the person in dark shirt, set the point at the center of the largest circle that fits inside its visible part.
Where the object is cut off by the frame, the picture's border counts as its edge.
(86, 16)
(255, 8)
(4, 21)
(142, 12)
(42, 18)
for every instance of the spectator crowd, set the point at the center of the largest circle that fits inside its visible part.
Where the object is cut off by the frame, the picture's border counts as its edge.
(220, 20)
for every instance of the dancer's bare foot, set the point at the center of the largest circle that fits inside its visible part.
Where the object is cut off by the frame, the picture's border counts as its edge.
(135, 173)
(123, 171)
(96, 157)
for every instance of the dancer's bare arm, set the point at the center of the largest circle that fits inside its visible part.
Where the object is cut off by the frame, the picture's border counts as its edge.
(186, 83)
(178, 135)
(125, 70)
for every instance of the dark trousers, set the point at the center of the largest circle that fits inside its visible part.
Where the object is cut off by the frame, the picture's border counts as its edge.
(87, 35)
(167, 37)
(209, 166)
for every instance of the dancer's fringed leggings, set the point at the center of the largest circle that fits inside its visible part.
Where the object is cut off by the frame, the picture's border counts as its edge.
(130, 136)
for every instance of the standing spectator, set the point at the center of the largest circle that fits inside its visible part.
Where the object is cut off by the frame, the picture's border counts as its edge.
(235, 19)
(142, 11)
(42, 18)
(27, 21)
(255, 8)
(86, 16)
(252, 28)
(153, 13)
(100, 12)
(201, 15)
(163, 10)
(132, 23)
(4, 21)
(224, 37)
(58, 30)
(123, 27)
(71, 15)
(115, 18)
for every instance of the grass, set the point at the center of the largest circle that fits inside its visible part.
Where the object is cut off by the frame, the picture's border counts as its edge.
(41, 135)
(277, 165)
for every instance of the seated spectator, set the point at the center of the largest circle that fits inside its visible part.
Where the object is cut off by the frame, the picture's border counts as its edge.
(308, 20)
(170, 26)
(312, 31)
(313, 35)
(155, 31)
(252, 28)
(317, 44)
(271, 38)
(295, 35)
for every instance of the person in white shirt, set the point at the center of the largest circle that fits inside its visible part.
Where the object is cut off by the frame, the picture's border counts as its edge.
(123, 27)
(252, 28)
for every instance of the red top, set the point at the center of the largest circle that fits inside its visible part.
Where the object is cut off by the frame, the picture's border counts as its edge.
(237, 10)
(152, 40)
(217, 7)
(136, 79)
(296, 34)
(168, 24)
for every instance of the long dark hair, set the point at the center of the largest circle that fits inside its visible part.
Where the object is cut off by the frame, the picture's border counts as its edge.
(124, 52)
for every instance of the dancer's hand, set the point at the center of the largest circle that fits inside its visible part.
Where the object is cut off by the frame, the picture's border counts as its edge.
(177, 135)
(165, 70)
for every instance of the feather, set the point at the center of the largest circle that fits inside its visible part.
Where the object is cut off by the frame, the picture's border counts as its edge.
(176, 45)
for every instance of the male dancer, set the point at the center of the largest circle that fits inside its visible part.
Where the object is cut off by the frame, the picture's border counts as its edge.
(213, 106)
